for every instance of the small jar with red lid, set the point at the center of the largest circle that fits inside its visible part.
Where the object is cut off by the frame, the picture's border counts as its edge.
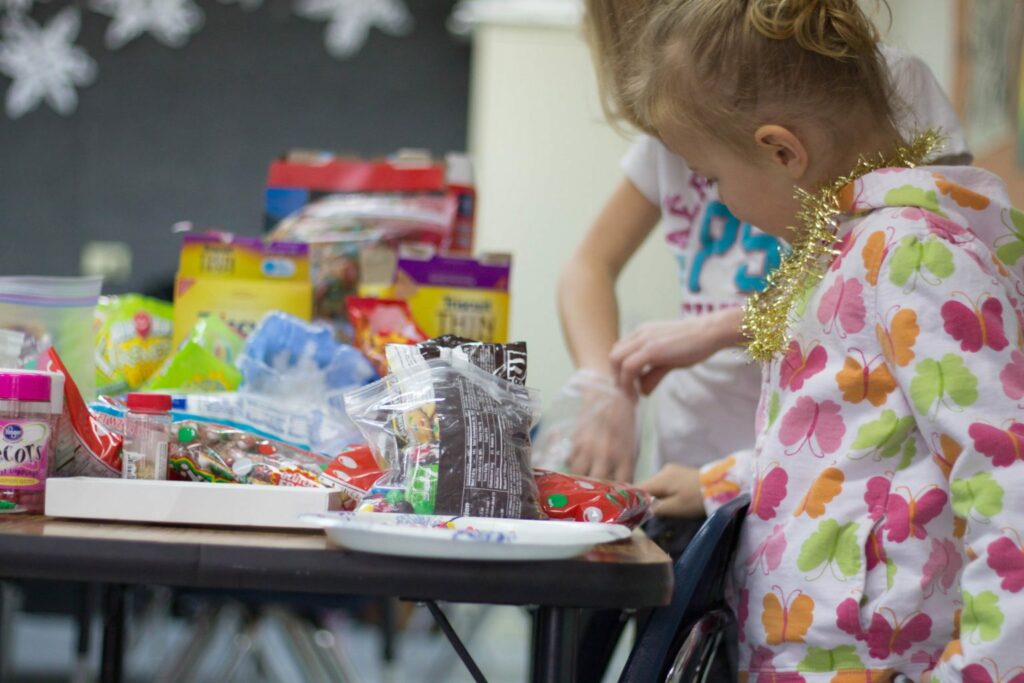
(147, 433)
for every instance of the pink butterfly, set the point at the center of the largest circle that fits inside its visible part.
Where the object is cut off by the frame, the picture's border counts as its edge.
(942, 568)
(843, 302)
(905, 518)
(796, 368)
(1007, 559)
(886, 638)
(762, 661)
(939, 226)
(1004, 446)
(809, 420)
(848, 618)
(875, 550)
(975, 329)
(769, 492)
(768, 555)
(877, 496)
(1012, 377)
(977, 673)
(846, 243)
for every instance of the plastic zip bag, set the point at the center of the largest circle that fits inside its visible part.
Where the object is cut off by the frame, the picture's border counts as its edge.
(455, 439)
(54, 312)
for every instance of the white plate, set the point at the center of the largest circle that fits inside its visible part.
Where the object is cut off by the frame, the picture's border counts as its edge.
(465, 538)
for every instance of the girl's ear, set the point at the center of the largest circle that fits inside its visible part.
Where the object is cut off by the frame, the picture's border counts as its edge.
(781, 146)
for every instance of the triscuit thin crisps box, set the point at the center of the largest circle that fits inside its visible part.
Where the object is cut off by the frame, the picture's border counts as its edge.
(239, 279)
(460, 296)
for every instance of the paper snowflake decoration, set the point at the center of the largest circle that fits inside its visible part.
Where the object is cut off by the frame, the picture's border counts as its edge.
(43, 62)
(20, 6)
(247, 5)
(169, 21)
(350, 21)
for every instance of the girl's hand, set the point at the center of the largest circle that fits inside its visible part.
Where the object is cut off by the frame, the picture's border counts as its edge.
(677, 490)
(641, 359)
(604, 445)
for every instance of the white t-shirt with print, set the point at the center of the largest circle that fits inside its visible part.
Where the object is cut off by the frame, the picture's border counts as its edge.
(706, 412)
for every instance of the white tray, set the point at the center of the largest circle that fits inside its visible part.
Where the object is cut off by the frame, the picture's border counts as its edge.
(465, 538)
(184, 502)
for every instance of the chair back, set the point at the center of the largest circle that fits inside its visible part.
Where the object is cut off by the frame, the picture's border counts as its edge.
(680, 638)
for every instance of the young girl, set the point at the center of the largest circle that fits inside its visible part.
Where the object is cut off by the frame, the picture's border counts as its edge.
(720, 259)
(884, 537)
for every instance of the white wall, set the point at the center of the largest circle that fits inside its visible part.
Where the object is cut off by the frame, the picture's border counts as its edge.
(924, 27)
(546, 160)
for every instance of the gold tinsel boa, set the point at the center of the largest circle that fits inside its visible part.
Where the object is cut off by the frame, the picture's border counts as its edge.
(767, 316)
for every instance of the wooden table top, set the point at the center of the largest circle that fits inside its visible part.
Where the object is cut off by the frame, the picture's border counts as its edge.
(633, 573)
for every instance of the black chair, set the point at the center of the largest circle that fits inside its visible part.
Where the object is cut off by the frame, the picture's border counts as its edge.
(682, 640)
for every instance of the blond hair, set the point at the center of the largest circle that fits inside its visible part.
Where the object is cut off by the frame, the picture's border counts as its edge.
(725, 67)
(613, 29)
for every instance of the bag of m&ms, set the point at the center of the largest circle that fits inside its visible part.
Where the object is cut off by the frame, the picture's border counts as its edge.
(568, 497)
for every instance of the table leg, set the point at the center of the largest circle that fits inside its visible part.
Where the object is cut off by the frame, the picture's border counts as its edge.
(555, 644)
(112, 663)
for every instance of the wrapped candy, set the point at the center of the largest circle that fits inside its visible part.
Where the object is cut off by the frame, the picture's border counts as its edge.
(568, 497)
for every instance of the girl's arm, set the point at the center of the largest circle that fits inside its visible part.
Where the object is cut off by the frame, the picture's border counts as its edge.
(589, 313)
(964, 392)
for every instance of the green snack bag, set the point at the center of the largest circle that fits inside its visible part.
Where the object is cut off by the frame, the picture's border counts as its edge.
(204, 363)
(133, 339)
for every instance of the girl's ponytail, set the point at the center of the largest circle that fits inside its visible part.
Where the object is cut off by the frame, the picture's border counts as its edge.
(833, 28)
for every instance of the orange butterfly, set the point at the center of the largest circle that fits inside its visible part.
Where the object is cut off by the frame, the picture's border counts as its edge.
(950, 450)
(959, 526)
(714, 484)
(874, 252)
(898, 339)
(787, 620)
(969, 199)
(858, 381)
(827, 486)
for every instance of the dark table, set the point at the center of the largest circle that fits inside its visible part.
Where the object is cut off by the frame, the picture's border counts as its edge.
(628, 575)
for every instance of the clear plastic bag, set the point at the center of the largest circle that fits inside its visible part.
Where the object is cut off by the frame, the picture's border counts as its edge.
(455, 439)
(583, 400)
(54, 312)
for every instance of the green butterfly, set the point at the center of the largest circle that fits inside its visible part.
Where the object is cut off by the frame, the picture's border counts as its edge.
(909, 452)
(890, 573)
(834, 546)
(886, 435)
(820, 660)
(774, 407)
(981, 493)
(914, 257)
(934, 380)
(981, 616)
(909, 195)
(1012, 251)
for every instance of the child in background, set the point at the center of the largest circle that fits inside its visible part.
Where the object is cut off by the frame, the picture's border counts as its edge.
(884, 538)
(705, 411)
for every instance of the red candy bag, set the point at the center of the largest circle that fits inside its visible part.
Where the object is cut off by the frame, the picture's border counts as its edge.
(379, 322)
(568, 497)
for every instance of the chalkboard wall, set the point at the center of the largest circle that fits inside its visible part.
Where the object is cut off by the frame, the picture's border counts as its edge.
(167, 135)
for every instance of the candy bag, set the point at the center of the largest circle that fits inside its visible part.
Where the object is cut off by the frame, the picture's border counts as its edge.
(566, 496)
(205, 361)
(213, 453)
(507, 361)
(84, 446)
(133, 339)
(379, 322)
(456, 440)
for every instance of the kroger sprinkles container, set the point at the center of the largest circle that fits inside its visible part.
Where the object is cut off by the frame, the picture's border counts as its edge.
(29, 408)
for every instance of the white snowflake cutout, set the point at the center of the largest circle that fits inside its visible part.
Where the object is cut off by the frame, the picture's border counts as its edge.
(44, 62)
(351, 21)
(19, 6)
(169, 21)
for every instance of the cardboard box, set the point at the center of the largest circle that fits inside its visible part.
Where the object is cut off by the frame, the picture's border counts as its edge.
(239, 279)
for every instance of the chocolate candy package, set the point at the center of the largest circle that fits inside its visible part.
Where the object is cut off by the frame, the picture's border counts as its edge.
(581, 499)
(507, 361)
(456, 440)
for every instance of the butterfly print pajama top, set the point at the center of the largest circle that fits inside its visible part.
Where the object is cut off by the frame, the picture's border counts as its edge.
(886, 529)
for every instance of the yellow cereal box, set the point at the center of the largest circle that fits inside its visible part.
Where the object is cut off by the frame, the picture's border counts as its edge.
(239, 279)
